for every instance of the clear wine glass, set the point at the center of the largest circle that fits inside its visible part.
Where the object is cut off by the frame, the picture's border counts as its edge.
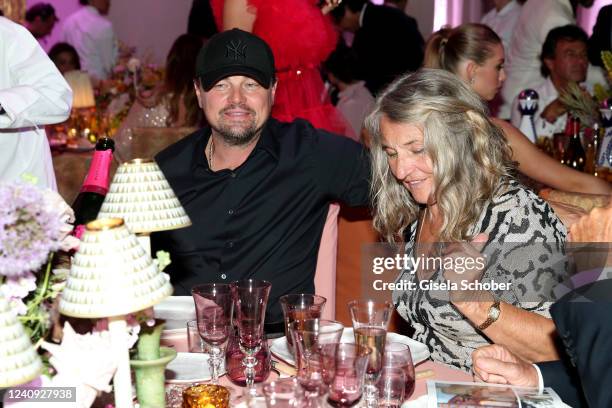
(370, 323)
(213, 303)
(250, 298)
(308, 337)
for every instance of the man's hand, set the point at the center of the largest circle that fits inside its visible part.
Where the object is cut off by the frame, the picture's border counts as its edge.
(497, 364)
(553, 111)
(594, 227)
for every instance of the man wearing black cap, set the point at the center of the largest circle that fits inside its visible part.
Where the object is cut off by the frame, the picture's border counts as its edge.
(257, 190)
(40, 20)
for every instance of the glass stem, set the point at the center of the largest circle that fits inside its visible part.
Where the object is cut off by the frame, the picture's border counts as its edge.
(214, 362)
(249, 361)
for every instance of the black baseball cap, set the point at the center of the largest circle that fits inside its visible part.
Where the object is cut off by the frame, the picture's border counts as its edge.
(235, 52)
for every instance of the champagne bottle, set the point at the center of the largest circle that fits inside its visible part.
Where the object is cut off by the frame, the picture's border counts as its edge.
(87, 204)
(575, 156)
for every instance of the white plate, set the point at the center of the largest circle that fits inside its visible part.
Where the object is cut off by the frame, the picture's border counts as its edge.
(190, 368)
(176, 311)
(419, 351)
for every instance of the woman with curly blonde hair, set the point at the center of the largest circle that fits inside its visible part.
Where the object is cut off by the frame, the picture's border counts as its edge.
(442, 173)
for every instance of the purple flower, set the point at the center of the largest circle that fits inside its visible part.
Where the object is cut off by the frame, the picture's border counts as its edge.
(29, 229)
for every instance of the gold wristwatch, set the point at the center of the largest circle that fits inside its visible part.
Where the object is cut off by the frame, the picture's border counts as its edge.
(492, 315)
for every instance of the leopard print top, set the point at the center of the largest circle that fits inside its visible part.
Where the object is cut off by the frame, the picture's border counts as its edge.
(526, 248)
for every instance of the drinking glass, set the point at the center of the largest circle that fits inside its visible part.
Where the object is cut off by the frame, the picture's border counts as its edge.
(299, 307)
(397, 355)
(344, 366)
(391, 387)
(250, 299)
(213, 303)
(370, 322)
(285, 393)
(195, 344)
(308, 337)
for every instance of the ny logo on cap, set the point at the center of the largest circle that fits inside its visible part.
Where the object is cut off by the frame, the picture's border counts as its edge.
(236, 50)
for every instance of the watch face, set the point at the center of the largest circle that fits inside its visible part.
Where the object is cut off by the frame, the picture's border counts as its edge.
(494, 313)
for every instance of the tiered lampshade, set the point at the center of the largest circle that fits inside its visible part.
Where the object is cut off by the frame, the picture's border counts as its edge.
(82, 89)
(141, 195)
(112, 274)
(19, 362)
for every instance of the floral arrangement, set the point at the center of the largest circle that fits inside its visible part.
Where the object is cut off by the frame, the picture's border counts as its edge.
(34, 223)
(130, 79)
(601, 92)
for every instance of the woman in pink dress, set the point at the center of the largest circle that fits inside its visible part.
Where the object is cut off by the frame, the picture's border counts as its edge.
(301, 36)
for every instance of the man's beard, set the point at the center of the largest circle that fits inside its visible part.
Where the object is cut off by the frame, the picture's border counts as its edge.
(241, 136)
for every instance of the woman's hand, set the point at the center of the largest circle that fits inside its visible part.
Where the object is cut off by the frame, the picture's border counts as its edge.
(463, 262)
(329, 5)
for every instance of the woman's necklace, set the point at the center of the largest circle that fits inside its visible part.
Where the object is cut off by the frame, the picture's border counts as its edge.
(418, 238)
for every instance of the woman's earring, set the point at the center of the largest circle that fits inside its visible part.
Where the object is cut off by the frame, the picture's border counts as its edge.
(472, 80)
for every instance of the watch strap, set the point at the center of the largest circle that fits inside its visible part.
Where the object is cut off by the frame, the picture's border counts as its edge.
(490, 318)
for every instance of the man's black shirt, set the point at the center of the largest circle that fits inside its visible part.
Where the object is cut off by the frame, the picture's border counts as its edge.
(265, 218)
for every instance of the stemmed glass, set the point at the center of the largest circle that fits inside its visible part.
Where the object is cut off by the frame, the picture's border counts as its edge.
(213, 303)
(370, 322)
(308, 338)
(299, 307)
(250, 299)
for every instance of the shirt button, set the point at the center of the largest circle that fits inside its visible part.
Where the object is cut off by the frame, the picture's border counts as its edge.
(230, 212)
(233, 174)
(230, 244)
(223, 276)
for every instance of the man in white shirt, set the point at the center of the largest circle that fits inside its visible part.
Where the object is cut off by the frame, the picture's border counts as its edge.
(93, 36)
(32, 93)
(537, 18)
(564, 60)
(502, 19)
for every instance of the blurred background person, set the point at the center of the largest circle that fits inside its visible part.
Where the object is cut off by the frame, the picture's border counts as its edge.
(65, 57)
(537, 18)
(502, 18)
(564, 60)
(387, 42)
(354, 100)
(201, 21)
(91, 33)
(173, 104)
(475, 54)
(442, 173)
(40, 20)
(601, 39)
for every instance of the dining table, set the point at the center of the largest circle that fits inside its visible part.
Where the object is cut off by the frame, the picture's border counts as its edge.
(426, 370)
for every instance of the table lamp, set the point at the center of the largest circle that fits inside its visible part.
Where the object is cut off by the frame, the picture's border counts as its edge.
(141, 195)
(82, 89)
(111, 276)
(83, 103)
(19, 362)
